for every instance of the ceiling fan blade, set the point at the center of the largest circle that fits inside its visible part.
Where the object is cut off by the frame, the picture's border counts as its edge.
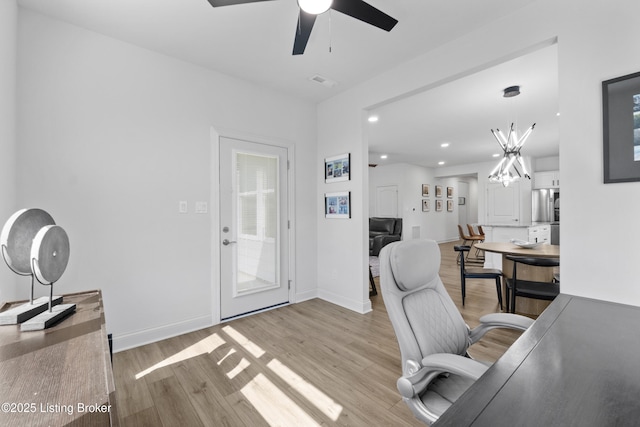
(364, 12)
(216, 3)
(303, 31)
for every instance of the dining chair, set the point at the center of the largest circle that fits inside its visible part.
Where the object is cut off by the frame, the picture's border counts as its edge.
(477, 273)
(469, 239)
(432, 335)
(530, 288)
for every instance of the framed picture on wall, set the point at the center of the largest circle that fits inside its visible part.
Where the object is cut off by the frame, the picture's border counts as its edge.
(337, 205)
(621, 128)
(461, 200)
(426, 205)
(425, 190)
(438, 190)
(449, 205)
(450, 192)
(438, 205)
(336, 168)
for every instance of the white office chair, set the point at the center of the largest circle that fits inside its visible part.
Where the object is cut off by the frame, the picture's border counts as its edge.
(431, 333)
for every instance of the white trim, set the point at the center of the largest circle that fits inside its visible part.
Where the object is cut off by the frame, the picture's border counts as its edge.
(151, 335)
(361, 307)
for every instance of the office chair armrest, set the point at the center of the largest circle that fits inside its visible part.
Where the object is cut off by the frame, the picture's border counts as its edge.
(436, 364)
(499, 320)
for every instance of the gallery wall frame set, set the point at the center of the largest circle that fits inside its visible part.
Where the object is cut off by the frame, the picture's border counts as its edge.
(621, 128)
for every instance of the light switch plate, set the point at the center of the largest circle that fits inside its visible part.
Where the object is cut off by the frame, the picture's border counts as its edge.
(183, 207)
(201, 207)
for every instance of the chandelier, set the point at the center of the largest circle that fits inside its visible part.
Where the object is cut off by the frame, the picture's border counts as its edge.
(511, 167)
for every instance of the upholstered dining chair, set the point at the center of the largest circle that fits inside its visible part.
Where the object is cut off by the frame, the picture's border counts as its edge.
(432, 336)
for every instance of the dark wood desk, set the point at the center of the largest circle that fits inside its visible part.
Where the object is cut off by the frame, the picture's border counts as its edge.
(577, 365)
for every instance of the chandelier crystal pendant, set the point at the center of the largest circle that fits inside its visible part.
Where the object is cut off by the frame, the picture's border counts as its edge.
(511, 167)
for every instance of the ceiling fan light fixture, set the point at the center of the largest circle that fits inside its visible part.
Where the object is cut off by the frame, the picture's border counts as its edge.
(315, 7)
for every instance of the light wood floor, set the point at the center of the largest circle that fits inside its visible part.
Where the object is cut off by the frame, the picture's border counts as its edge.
(306, 364)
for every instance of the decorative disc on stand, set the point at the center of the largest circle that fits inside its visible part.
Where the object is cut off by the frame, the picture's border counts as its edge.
(49, 258)
(17, 237)
(16, 240)
(50, 254)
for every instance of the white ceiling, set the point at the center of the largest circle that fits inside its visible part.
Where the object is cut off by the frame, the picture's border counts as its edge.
(463, 112)
(253, 42)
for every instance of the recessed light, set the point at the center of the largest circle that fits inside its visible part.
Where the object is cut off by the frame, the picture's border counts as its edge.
(558, 114)
(441, 163)
(444, 145)
(384, 156)
(373, 119)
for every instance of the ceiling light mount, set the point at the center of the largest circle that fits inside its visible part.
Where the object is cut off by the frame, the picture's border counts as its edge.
(511, 91)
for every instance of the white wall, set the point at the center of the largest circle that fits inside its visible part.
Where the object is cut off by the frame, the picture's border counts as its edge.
(8, 23)
(111, 137)
(597, 41)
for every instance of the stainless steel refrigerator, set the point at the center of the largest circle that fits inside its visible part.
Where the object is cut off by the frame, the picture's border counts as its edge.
(545, 205)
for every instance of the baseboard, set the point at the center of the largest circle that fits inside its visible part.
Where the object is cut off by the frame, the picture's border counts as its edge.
(353, 305)
(130, 340)
(306, 296)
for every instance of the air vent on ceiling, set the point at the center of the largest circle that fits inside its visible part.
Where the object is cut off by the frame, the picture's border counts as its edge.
(323, 81)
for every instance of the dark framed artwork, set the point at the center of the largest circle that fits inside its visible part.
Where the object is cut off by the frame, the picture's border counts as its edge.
(337, 205)
(449, 192)
(438, 190)
(438, 205)
(621, 128)
(461, 200)
(336, 168)
(449, 205)
(425, 190)
(426, 205)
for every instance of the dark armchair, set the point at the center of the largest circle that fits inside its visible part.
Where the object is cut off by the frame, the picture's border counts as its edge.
(383, 231)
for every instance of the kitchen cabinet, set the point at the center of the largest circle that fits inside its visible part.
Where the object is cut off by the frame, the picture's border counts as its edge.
(548, 179)
(539, 233)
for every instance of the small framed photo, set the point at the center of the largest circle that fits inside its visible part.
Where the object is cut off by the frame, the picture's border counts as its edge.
(621, 128)
(438, 205)
(425, 190)
(336, 168)
(337, 205)
(449, 192)
(426, 205)
(438, 190)
(449, 205)
(461, 200)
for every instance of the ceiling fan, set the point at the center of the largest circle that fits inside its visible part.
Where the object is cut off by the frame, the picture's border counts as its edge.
(357, 9)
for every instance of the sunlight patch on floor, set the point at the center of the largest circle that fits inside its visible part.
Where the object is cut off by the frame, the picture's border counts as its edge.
(274, 406)
(247, 344)
(321, 401)
(241, 366)
(206, 345)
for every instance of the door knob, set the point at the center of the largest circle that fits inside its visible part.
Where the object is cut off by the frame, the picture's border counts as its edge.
(227, 242)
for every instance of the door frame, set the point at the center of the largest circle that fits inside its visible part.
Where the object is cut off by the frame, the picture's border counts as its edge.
(215, 134)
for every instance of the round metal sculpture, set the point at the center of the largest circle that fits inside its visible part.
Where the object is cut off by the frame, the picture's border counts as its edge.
(17, 237)
(50, 254)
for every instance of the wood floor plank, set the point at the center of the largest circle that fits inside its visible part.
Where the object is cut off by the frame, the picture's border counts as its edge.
(266, 369)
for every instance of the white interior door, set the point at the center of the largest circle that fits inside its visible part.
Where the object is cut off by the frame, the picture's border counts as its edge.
(254, 232)
(503, 203)
(387, 201)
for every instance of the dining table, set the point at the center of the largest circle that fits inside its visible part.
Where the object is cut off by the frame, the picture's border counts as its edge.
(527, 306)
(575, 366)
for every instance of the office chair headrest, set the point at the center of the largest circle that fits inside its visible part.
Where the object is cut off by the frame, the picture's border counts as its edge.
(414, 263)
